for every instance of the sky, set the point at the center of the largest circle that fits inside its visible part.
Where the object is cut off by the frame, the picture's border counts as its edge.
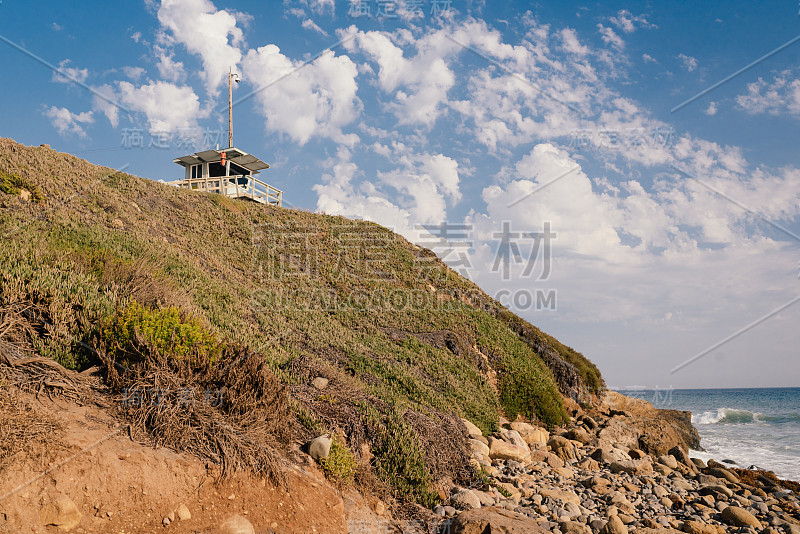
(625, 176)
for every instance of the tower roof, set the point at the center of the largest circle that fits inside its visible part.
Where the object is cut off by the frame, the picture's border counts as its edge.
(234, 155)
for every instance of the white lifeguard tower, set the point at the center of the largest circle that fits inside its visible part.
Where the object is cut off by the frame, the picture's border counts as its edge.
(229, 171)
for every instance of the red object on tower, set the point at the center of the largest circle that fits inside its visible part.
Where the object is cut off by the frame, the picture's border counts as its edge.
(224, 155)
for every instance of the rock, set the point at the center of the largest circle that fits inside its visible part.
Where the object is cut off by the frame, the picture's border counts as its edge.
(500, 450)
(25, 195)
(739, 517)
(379, 507)
(118, 223)
(637, 454)
(632, 467)
(523, 428)
(681, 456)
(236, 524)
(716, 490)
(619, 434)
(319, 448)
(681, 484)
(578, 434)
(320, 382)
(62, 513)
(662, 469)
(513, 437)
(560, 494)
(573, 527)
(537, 435)
(465, 500)
(562, 447)
(721, 472)
(614, 525)
(183, 513)
(479, 447)
(494, 520)
(668, 460)
(589, 464)
(588, 422)
(548, 457)
(698, 463)
(472, 430)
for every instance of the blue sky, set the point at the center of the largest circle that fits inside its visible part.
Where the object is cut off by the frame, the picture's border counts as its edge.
(675, 229)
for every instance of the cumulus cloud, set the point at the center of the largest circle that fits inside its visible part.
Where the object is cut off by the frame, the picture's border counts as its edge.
(628, 23)
(207, 32)
(106, 105)
(610, 37)
(67, 74)
(309, 24)
(778, 96)
(711, 110)
(318, 99)
(67, 122)
(134, 73)
(689, 62)
(168, 107)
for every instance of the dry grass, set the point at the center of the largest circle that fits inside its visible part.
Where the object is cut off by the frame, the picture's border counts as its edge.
(24, 430)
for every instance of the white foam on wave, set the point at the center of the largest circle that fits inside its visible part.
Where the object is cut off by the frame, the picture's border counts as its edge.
(727, 416)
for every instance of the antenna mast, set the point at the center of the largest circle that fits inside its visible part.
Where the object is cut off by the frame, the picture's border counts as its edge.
(230, 107)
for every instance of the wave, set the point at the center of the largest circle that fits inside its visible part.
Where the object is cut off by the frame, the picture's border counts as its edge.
(732, 416)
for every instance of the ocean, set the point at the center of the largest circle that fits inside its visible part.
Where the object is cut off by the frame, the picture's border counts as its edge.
(753, 427)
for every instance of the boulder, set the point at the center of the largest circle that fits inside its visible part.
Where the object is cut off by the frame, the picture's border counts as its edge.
(578, 434)
(494, 520)
(559, 494)
(319, 448)
(682, 456)
(547, 457)
(573, 527)
(501, 450)
(696, 527)
(721, 472)
(739, 517)
(668, 460)
(620, 434)
(614, 525)
(62, 513)
(523, 428)
(513, 437)
(538, 435)
(236, 524)
(320, 382)
(632, 467)
(479, 447)
(465, 500)
(562, 447)
(698, 463)
(472, 430)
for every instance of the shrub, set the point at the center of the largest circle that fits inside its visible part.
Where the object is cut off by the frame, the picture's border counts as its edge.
(340, 465)
(401, 462)
(169, 331)
(525, 389)
(11, 184)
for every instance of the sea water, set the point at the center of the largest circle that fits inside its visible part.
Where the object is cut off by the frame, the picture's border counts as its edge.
(753, 427)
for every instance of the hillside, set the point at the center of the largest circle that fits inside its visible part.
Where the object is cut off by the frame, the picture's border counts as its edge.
(162, 287)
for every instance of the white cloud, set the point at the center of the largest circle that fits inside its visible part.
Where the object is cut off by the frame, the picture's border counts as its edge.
(318, 99)
(649, 59)
(309, 24)
(204, 30)
(56, 27)
(136, 36)
(711, 110)
(168, 107)
(627, 22)
(778, 96)
(105, 105)
(67, 122)
(689, 62)
(168, 68)
(610, 37)
(134, 73)
(67, 74)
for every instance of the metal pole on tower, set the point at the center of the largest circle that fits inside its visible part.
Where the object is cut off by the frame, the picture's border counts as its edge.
(230, 108)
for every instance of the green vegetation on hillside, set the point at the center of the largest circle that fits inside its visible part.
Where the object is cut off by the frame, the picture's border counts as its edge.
(110, 256)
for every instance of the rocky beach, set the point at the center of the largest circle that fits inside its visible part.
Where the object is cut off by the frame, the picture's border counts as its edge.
(622, 467)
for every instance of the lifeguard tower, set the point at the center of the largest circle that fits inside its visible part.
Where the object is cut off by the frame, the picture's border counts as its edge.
(229, 171)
